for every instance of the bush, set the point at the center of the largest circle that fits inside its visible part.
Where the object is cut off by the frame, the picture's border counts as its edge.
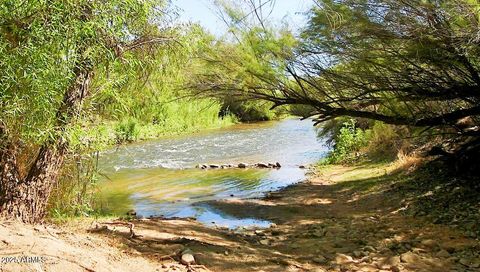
(127, 130)
(347, 142)
(384, 143)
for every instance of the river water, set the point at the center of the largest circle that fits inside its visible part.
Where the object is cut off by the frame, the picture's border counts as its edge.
(158, 178)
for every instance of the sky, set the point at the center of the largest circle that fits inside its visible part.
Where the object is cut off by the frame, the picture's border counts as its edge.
(203, 12)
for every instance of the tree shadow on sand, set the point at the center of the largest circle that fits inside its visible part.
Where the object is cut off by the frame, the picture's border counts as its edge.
(357, 224)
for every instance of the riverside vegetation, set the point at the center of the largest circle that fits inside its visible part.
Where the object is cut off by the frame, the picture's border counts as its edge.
(393, 85)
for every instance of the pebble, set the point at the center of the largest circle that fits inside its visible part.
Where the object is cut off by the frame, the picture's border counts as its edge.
(409, 257)
(343, 259)
(464, 262)
(369, 248)
(187, 259)
(320, 259)
(430, 243)
(443, 254)
(395, 269)
(393, 261)
(265, 242)
(357, 254)
(259, 233)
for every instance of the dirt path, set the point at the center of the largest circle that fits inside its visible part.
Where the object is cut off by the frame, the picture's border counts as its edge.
(346, 219)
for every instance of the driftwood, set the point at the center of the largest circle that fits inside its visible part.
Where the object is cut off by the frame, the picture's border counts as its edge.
(130, 225)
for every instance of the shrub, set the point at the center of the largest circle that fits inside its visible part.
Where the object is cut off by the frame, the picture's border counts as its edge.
(384, 142)
(347, 142)
(127, 130)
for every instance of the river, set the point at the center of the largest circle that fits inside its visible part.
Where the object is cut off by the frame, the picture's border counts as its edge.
(158, 178)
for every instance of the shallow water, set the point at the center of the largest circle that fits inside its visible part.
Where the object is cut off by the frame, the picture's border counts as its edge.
(157, 178)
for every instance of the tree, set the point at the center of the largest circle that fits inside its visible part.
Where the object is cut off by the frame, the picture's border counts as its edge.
(50, 52)
(406, 62)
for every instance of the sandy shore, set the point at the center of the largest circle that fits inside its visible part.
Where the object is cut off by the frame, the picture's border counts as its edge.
(341, 219)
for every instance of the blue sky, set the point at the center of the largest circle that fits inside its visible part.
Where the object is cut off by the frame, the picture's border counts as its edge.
(203, 12)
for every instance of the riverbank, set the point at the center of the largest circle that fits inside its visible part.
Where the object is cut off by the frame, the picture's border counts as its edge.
(355, 218)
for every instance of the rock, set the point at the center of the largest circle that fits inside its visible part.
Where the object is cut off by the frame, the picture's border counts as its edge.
(302, 167)
(409, 257)
(320, 259)
(242, 165)
(204, 166)
(429, 243)
(443, 254)
(264, 242)
(395, 268)
(259, 233)
(475, 264)
(419, 250)
(369, 248)
(131, 213)
(214, 166)
(464, 262)
(276, 232)
(357, 254)
(450, 249)
(277, 164)
(187, 259)
(343, 259)
(393, 261)
(262, 165)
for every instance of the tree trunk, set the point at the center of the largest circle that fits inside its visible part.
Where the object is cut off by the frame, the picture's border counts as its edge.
(26, 199)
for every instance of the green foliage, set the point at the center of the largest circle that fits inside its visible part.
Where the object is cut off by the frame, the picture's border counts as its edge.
(385, 142)
(249, 111)
(42, 42)
(242, 63)
(127, 130)
(75, 193)
(349, 140)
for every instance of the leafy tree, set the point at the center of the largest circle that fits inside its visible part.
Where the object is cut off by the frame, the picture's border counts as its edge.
(407, 62)
(50, 52)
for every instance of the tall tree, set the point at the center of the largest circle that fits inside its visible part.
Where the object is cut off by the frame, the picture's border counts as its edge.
(50, 51)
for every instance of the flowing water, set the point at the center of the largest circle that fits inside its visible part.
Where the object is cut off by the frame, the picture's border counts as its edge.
(158, 178)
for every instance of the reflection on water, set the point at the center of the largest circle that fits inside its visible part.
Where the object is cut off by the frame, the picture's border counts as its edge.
(155, 178)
